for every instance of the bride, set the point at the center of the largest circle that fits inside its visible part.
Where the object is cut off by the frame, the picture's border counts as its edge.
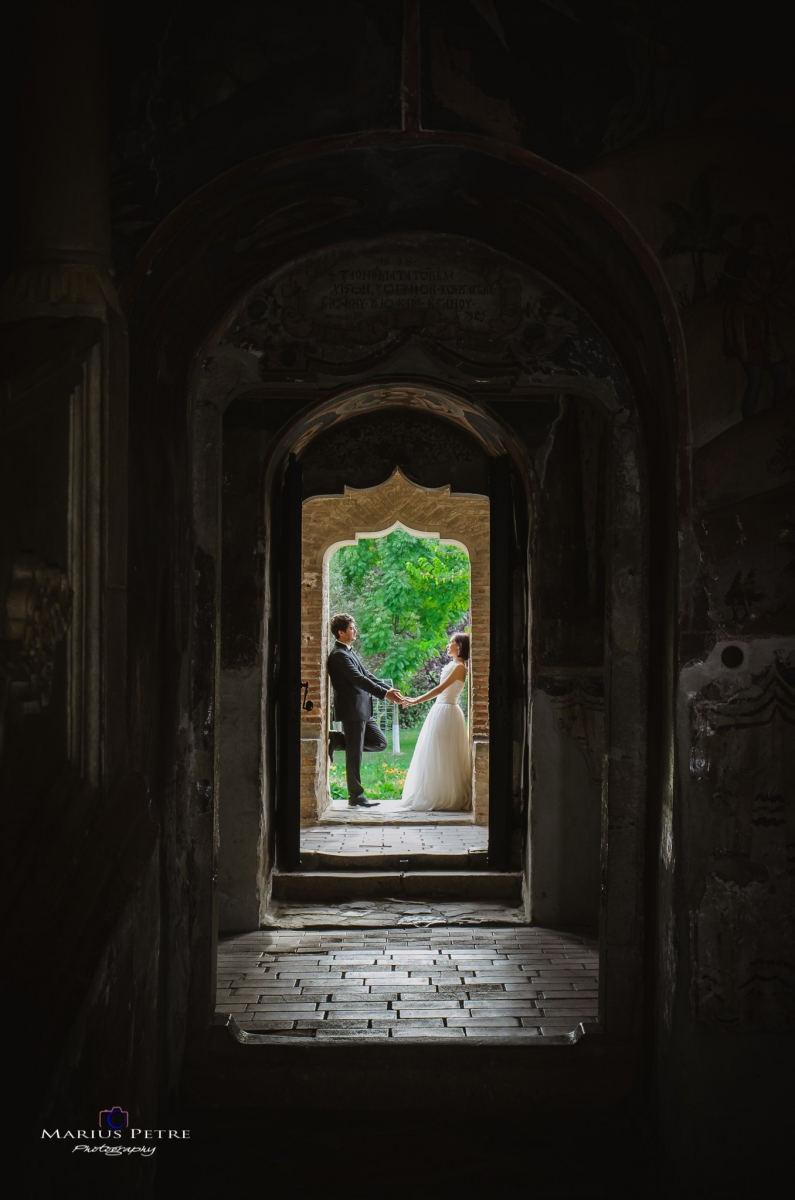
(439, 777)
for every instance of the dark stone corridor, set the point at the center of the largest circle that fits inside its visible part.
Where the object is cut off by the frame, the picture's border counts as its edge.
(515, 276)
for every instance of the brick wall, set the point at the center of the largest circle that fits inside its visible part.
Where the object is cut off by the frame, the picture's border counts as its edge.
(330, 521)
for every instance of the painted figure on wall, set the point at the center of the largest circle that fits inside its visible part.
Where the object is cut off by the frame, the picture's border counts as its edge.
(698, 232)
(750, 287)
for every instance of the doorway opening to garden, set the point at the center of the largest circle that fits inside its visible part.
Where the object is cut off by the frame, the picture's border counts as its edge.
(410, 564)
(408, 592)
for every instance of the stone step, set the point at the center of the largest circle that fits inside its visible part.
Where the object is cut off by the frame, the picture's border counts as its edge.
(330, 886)
(385, 816)
(329, 860)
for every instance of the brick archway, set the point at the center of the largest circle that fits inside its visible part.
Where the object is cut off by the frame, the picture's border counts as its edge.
(333, 521)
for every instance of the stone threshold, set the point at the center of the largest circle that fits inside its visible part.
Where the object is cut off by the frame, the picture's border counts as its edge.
(443, 1037)
(329, 860)
(392, 914)
(317, 886)
(388, 816)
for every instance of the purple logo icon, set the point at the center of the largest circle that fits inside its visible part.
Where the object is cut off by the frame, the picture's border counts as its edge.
(113, 1118)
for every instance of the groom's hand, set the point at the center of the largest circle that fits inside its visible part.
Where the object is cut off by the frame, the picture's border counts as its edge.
(394, 695)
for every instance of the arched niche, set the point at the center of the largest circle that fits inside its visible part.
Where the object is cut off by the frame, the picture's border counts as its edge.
(329, 522)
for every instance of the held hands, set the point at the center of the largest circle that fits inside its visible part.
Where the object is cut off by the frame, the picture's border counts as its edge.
(397, 698)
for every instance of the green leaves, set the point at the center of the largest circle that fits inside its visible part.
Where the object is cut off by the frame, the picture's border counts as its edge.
(405, 593)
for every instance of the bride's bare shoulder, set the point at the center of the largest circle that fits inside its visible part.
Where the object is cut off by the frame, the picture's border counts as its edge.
(459, 671)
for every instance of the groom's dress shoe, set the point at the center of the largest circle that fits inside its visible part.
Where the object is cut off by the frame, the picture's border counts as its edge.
(363, 803)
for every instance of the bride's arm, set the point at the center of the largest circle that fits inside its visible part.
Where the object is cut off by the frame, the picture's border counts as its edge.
(454, 677)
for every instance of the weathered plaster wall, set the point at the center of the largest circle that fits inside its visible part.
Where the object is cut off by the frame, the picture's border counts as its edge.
(241, 817)
(572, 564)
(726, 939)
(331, 521)
(566, 823)
(734, 176)
(737, 760)
(112, 1049)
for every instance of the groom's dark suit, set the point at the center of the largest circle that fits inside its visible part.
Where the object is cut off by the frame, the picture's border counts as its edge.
(354, 688)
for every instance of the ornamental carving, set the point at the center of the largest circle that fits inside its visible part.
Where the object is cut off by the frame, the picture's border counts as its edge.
(422, 301)
(366, 450)
(38, 608)
(742, 923)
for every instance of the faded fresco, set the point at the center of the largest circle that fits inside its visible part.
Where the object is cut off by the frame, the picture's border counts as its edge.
(741, 810)
(433, 306)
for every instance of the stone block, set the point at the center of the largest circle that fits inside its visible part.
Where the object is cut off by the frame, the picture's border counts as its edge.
(484, 1022)
(479, 1031)
(480, 780)
(441, 1032)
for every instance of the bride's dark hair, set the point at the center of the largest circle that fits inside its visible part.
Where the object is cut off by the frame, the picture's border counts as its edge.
(462, 641)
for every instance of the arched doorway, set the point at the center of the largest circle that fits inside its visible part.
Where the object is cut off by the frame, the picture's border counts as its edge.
(205, 271)
(489, 468)
(331, 522)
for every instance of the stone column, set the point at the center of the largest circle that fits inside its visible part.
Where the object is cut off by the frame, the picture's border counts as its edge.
(61, 263)
(59, 307)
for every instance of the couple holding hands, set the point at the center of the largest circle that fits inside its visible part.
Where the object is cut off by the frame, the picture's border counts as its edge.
(440, 775)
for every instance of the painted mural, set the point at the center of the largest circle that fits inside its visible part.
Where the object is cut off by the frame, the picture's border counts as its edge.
(742, 764)
(422, 305)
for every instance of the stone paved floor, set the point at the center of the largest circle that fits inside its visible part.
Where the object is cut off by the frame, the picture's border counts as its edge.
(389, 812)
(394, 839)
(438, 983)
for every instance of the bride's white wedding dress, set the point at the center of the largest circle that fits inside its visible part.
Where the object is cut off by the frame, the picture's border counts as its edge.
(439, 778)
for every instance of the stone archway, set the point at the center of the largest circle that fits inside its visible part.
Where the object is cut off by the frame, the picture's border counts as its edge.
(191, 285)
(333, 521)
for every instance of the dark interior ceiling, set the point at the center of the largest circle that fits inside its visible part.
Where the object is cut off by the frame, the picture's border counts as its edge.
(199, 87)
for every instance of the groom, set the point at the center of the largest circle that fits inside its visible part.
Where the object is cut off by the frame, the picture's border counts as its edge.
(354, 688)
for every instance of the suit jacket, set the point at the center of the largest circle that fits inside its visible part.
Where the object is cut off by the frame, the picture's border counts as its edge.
(354, 686)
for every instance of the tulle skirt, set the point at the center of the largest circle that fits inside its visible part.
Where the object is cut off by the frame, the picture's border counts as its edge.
(439, 777)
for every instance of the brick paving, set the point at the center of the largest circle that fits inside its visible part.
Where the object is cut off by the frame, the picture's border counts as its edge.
(374, 840)
(439, 983)
(389, 812)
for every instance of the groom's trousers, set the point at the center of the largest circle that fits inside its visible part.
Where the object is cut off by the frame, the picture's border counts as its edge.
(359, 736)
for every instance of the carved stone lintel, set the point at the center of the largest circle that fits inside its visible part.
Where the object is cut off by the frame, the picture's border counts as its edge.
(36, 618)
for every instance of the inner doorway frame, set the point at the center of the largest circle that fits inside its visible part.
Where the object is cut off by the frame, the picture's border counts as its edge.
(503, 562)
(333, 521)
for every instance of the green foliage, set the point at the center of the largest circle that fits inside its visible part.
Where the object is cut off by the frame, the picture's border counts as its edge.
(383, 775)
(406, 593)
(383, 781)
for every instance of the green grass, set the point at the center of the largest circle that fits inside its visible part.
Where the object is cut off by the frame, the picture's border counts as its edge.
(383, 775)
